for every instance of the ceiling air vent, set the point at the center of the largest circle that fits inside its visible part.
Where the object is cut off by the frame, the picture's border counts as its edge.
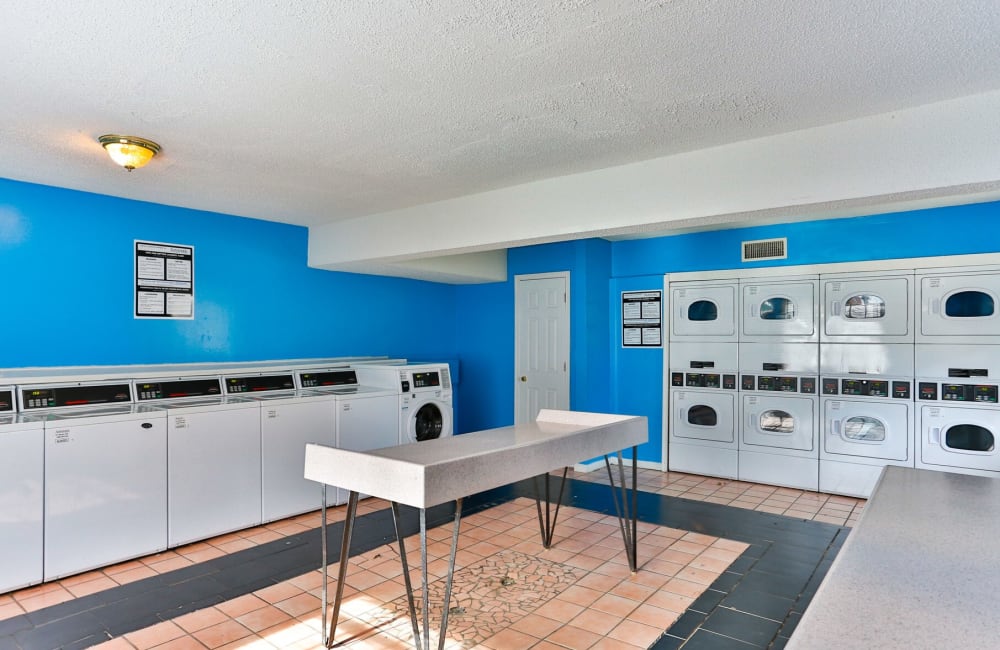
(765, 249)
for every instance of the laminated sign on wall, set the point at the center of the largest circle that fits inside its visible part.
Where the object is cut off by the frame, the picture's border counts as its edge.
(164, 280)
(642, 322)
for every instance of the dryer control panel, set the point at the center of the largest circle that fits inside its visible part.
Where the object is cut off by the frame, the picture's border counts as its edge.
(977, 393)
(703, 380)
(779, 384)
(851, 387)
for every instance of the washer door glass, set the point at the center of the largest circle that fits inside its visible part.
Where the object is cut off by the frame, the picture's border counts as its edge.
(428, 422)
(969, 304)
(777, 309)
(703, 310)
(969, 437)
(777, 421)
(864, 307)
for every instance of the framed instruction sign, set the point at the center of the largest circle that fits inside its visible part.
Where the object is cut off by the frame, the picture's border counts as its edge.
(642, 320)
(164, 280)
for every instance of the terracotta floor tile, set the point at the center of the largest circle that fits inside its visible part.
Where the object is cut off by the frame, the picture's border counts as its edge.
(46, 599)
(580, 595)
(510, 639)
(596, 621)
(599, 582)
(155, 635)
(616, 605)
(278, 592)
(650, 614)
(132, 575)
(10, 610)
(572, 637)
(300, 604)
(201, 619)
(287, 632)
(183, 643)
(560, 610)
(220, 634)
(170, 564)
(249, 643)
(684, 587)
(262, 618)
(633, 591)
(636, 633)
(241, 605)
(536, 626)
(607, 643)
(118, 643)
(205, 554)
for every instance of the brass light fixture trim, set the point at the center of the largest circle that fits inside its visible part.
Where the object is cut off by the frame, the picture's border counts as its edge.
(129, 151)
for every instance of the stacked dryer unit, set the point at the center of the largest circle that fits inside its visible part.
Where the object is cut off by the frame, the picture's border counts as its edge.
(958, 370)
(703, 362)
(779, 368)
(866, 365)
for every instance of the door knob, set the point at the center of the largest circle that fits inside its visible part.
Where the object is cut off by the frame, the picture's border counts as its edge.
(524, 378)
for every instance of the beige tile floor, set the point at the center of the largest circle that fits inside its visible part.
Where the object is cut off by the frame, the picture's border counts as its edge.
(589, 599)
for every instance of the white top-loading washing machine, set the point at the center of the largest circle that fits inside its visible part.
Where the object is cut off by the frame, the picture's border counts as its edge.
(959, 305)
(367, 417)
(863, 308)
(289, 419)
(426, 410)
(22, 448)
(105, 474)
(213, 456)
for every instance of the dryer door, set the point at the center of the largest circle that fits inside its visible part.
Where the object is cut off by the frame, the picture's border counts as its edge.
(703, 416)
(868, 309)
(960, 437)
(786, 309)
(866, 429)
(704, 312)
(428, 420)
(960, 306)
(781, 422)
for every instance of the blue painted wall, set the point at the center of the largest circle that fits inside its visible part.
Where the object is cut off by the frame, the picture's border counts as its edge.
(66, 260)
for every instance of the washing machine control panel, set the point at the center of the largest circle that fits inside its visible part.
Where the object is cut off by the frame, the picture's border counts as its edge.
(177, 388)
(677, 379)
(40, 397)
(260, 383)
(6, 400)
(426, 379)
(328, 378)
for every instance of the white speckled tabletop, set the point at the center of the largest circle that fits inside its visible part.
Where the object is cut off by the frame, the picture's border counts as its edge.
(424, 474)
(920, 570)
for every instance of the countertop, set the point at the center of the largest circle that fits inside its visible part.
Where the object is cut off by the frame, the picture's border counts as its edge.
(920, 569)
(424, 474)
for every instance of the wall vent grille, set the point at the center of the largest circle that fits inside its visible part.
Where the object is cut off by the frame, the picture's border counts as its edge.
(765, 249)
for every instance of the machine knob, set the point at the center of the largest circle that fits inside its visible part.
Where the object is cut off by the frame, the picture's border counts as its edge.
(524, 378)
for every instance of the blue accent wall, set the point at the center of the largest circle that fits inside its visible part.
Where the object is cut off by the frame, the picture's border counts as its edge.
(66, 259)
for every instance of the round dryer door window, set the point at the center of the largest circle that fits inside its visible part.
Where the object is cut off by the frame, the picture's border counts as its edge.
(428, 422)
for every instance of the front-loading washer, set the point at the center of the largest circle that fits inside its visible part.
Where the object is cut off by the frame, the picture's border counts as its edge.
(958, 421)
(702, 435)
(779, 309)
(22, 450)
(105, 497)
(867, 417)
(426, 410)
(213, 456)
(867, 308)
(704, 310)
(779, 414)
(367, 417)
(959, 305)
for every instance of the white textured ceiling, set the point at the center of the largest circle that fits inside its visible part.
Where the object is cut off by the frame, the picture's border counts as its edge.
(313, 112)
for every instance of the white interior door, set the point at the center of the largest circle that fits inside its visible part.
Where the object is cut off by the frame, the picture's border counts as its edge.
(541, 342)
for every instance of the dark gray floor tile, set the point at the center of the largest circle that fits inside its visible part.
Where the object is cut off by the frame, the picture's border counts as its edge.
(667, 642)
(707, 601)
(745, 627)
(687, 623)
(751, 601)
(705, 640)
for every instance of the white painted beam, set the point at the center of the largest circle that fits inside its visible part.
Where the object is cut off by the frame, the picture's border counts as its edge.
(937, 154)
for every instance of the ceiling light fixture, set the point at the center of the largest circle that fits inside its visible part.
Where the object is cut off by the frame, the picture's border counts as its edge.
(129, 151)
